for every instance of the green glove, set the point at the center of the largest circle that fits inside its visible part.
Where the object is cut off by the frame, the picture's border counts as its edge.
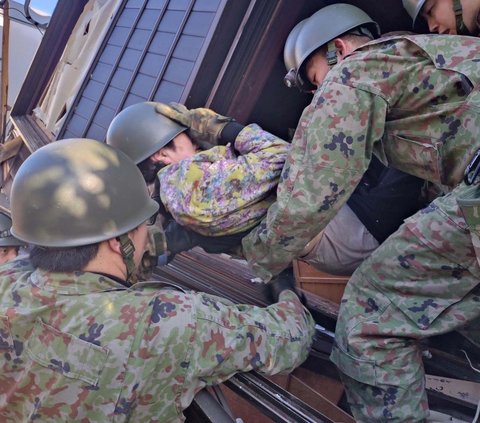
(204, 125)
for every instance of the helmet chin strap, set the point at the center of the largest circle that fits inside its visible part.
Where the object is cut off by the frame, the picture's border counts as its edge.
(461, 27)
(127, 248)
(331, 54)
(332, 50)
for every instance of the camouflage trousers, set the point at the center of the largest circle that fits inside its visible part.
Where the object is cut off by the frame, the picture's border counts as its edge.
(422, 281)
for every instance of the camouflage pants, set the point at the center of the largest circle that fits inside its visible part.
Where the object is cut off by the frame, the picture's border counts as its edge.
(422, 281)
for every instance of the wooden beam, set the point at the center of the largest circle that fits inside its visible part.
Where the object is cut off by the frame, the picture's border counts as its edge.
(5, 77)
(10, 148)
(258, 44)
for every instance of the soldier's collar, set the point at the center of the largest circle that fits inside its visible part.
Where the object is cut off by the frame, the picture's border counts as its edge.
(115, 278)
(71, 283)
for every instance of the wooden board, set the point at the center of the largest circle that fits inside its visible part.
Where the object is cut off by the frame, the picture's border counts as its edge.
(325, 285)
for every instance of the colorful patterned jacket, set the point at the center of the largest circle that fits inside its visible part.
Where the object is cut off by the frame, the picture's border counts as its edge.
(81, 347)
(414, 101)
(217, 192)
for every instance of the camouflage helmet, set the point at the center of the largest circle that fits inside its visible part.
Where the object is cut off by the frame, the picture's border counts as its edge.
(77, 192)
(6, 237)
(319, 29)
(413, 8)
(140, 131)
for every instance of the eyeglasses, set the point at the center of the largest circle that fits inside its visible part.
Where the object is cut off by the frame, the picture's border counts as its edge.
(152, 219)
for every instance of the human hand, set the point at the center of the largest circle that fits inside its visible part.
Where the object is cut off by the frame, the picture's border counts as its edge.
(204, 125)
(283, 281)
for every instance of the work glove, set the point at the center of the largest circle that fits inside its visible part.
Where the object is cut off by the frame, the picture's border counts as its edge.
(204, 125)
(163, 245)
(178, 239)
(283, 281)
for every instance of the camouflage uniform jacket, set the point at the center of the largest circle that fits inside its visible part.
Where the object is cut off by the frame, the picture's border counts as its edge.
(83, 347)
(413, 100)
(216, 192)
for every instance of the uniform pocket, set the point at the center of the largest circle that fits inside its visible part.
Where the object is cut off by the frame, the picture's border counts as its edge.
(380, 370)
(66, 354)
(414, 155)
(432, 262)
(357, 368)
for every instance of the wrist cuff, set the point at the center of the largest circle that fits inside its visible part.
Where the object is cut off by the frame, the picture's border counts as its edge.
(230, 132)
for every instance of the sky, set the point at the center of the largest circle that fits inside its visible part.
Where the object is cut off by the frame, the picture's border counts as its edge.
(46, 6)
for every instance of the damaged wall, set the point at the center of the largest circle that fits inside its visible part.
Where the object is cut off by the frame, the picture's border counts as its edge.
(76, 60)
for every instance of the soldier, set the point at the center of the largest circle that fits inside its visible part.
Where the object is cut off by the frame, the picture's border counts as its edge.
(80, 340)
(413, 101)
(456, 17)
(9, 245)
(378, 206)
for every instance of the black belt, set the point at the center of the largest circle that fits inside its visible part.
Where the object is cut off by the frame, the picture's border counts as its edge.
(472, 170)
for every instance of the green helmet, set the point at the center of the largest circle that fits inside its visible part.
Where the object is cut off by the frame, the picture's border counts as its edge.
(6, 237)
(77, 192)
(319, 29)
(140, 131)
(289, 50)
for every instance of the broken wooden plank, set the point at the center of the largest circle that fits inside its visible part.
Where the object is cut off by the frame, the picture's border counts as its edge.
(10, 148)
(33, 136)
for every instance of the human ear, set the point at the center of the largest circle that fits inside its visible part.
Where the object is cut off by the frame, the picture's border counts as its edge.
(114, 245)
(161, 157)
(156, 157)
(342, 47)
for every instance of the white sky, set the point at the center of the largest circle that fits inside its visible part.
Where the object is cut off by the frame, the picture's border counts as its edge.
(45, 6)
